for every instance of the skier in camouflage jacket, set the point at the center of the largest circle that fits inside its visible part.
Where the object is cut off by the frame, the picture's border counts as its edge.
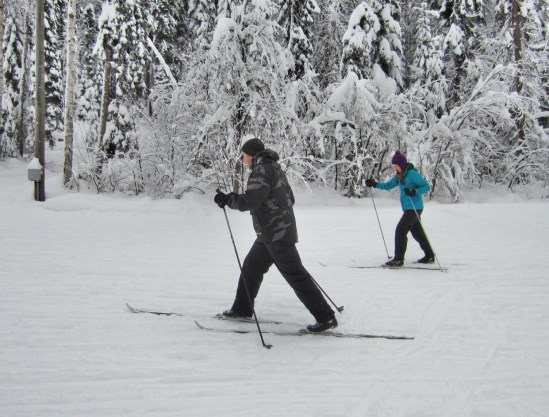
(269, 198)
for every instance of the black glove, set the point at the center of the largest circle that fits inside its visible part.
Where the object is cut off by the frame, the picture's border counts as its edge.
(409, 192)
(371, 183)
(221, 199)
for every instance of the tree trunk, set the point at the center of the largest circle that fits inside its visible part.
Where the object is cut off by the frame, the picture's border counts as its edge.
(105, 99)
(517, 43)
(40, 105)
(69, 93)
(2, 18)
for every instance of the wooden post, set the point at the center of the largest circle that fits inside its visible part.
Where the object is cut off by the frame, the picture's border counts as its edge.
(40, 105)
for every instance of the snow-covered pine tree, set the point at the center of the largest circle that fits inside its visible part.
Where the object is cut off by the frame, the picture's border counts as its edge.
(372, 44)
(361, 127)
(349, 134)
(525, 41)
(162, 25)
(54, 18)
(239, 87)
(427, 69)
(22, 127)
(409, 17)
(358, 41)
(90, 73)
(330, 26)
(122, 39)
(203, 15)
(122, 46)
(461, 21)
(296, 18)
(13, 61)
(169, 30)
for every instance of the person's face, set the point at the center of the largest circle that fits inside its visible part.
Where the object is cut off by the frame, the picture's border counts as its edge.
(247, 159)
(397, 168)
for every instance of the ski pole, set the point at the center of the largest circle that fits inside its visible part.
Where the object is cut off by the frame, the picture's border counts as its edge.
(340, 309)
(245, 284)
(379, 223)
(425, 234)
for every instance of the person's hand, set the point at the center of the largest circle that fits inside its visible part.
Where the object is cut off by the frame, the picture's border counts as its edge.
(409, 192)
(221, 199)
(371, 183)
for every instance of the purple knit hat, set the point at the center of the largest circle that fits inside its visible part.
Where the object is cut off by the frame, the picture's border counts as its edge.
(400, 160)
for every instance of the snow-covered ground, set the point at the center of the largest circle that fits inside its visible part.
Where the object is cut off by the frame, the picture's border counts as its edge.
(69, 347)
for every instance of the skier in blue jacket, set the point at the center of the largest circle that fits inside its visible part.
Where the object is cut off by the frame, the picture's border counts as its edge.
(412, 187)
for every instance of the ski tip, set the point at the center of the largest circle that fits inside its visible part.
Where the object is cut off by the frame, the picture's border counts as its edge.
(130, 308)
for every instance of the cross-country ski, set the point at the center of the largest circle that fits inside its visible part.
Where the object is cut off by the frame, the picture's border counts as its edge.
(304, 332)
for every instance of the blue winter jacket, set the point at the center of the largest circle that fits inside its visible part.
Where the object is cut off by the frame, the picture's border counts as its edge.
(412, 180)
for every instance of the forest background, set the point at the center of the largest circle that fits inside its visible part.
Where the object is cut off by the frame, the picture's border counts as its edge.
(156, 97)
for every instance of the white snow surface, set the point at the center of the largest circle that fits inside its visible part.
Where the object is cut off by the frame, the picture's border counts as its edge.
(69, 346)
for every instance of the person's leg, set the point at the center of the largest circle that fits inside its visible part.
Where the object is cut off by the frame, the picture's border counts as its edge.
(419, 235)
(288, 262)
(406, 222)
(255, 265)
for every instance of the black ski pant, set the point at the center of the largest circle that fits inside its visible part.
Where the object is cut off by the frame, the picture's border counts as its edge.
(286, 258)
(409, 222)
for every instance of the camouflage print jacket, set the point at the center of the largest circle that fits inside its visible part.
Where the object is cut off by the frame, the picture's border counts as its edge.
(270, 199)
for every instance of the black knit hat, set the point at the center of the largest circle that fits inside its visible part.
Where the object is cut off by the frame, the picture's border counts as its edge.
(252, 147)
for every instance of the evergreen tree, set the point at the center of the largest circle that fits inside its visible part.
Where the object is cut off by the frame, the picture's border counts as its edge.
(296, 19)
(13, 56)
(330, 26)
(239, 86)
(90, 73)
(372, 45)
(410, 12)
(529, 50)
(461, 21)
(169, 30)
(122, 39)
(427, 69)
(204, 14)
(54, 17)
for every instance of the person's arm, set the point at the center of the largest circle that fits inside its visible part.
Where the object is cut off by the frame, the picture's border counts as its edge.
(421, 186)
(389, 185)
(256, 193)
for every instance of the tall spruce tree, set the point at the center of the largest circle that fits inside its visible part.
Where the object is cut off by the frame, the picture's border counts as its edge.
(90, 73)
(526, 43)
(427, 69)
(54, 18)
(203, 15)
(12, 68)
(169, 29)
(296, 19)
(461, 22)
(238, 86)
(122, 39)
(330, 26)
(372, 44)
